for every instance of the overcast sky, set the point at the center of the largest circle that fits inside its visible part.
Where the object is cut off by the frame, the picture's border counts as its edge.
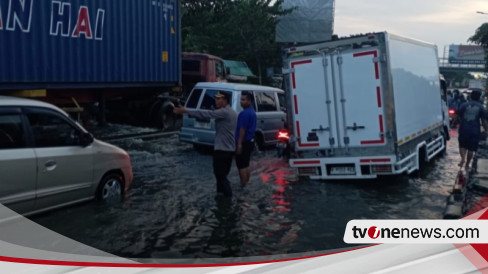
(441, 22)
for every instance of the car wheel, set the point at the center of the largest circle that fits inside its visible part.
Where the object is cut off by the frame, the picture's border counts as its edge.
(110, 188)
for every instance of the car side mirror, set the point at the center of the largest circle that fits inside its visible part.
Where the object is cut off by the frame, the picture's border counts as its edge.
(86, 139)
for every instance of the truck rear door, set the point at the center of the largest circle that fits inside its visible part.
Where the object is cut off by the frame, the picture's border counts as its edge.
(337, 100)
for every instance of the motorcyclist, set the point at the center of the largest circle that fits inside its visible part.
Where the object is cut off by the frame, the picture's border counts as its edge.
(456, 101)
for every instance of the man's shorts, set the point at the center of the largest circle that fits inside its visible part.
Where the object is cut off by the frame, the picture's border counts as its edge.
(242, 160)
(469, 142)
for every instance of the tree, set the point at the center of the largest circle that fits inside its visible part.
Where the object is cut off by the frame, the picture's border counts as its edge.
(234, 29)
(481, 38)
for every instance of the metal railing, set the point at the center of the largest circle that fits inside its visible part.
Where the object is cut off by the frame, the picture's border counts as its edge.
(446, 66)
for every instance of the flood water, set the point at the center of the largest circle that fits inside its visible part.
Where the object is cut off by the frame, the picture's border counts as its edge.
(172, 211)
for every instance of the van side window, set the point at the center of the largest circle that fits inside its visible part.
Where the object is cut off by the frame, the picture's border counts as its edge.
(192, 101)
(266, 101)
(50, 130)
(282, 100)
(208, 101)
(253, 96)
(11, 131)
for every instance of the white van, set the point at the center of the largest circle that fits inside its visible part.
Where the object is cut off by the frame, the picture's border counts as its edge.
(47, 160)
(268, 102)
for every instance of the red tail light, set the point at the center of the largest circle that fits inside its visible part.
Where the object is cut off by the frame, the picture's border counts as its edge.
(283, 135)
(452, 111)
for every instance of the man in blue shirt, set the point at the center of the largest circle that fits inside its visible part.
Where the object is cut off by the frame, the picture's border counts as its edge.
(471, 115)
(246, 128)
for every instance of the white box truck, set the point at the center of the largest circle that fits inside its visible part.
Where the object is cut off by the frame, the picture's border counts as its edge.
(364, 106)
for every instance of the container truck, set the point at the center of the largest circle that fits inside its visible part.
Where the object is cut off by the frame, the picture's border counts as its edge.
(72, 53)
(157, 109)
(123, 54)
(364, 106)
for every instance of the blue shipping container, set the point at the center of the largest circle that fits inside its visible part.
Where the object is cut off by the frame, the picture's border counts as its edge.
(101, 43)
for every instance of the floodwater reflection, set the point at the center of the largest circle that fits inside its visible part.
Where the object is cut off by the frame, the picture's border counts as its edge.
(172, 210)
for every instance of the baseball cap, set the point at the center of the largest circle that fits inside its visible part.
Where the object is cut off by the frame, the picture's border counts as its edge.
(220, 95)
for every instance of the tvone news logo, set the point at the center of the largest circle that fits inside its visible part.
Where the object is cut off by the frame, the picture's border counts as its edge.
(373, 232)
(416, 231)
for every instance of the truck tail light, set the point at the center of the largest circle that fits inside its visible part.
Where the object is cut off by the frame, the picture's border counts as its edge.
(283, 135)
(452, 111)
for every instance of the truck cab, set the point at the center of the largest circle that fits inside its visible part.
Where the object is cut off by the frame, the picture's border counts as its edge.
(201, 67)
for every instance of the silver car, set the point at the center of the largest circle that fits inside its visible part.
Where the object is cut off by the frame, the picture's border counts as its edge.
(47, 160)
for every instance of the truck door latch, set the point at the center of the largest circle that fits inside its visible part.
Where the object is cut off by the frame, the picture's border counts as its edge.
(320, 129)
(356, 127)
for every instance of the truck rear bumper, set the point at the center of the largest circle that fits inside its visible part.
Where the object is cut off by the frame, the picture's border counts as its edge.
(346, 167)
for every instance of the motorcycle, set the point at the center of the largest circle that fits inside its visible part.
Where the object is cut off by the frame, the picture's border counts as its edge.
(283, 147)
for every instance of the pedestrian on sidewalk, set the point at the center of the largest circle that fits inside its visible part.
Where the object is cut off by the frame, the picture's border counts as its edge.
(471, 115)
(224, 145)
(245, 131)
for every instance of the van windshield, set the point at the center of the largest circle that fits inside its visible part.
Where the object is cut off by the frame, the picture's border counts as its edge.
(192, 101)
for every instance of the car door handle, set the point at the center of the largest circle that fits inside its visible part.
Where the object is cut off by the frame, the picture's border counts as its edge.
(50, 165)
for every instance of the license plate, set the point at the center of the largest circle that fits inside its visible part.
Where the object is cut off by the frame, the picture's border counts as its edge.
(281, 145)
(202, 125)
(343, 170)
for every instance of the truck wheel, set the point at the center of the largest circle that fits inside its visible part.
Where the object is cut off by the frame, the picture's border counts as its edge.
(444, 151)
(421, 162)
(447, 136)
(422, 157)
(110, 188)
(167, 118)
